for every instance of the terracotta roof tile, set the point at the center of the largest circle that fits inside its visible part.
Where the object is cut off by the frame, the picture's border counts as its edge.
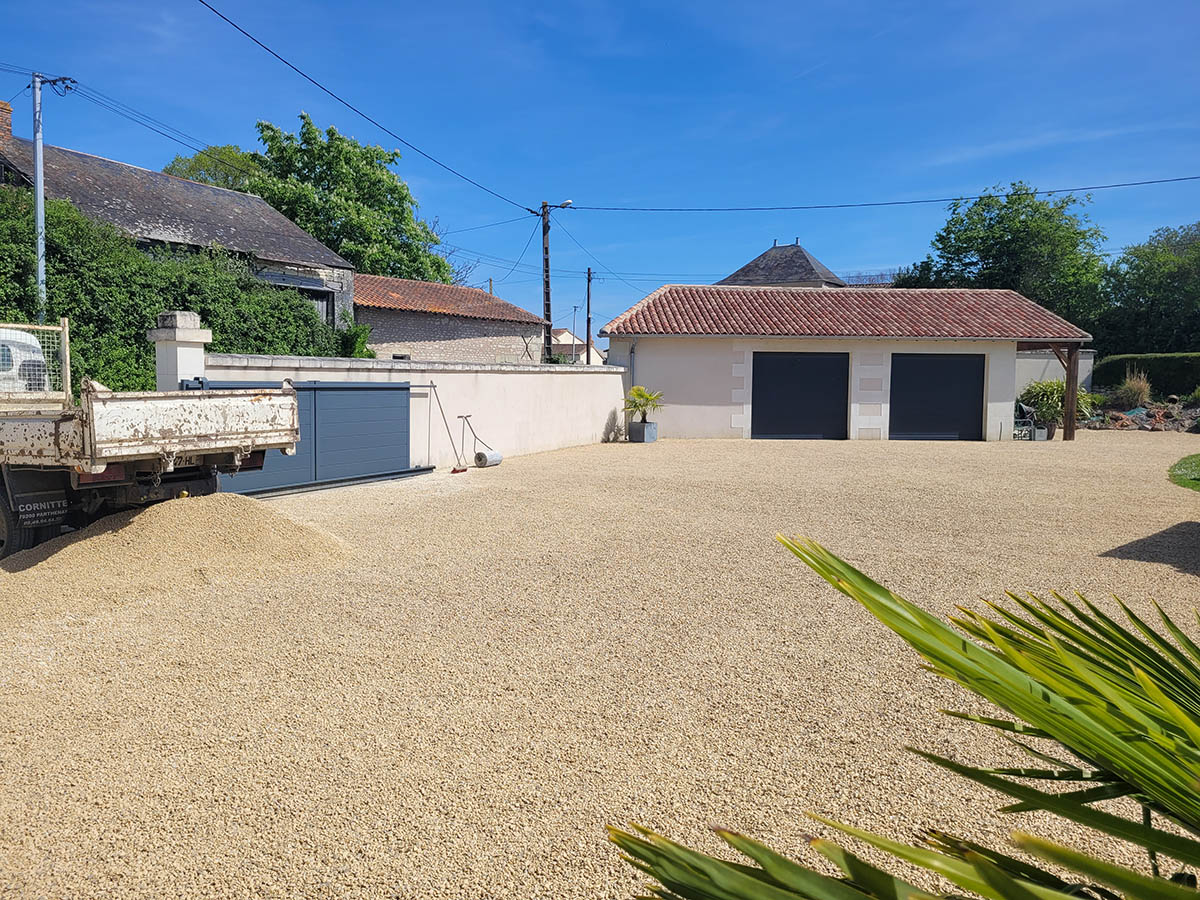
(432, 297)
(843, 312)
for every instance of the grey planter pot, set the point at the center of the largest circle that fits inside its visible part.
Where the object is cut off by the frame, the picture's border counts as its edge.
(643, 432)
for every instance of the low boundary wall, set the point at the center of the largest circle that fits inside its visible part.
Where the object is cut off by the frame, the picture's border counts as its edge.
(1043, 365)
(517, 409)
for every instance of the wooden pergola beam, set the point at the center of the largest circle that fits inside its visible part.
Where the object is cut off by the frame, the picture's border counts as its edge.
(1071, 390)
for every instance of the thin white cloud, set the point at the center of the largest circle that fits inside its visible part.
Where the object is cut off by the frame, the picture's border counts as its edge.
(1055, 137)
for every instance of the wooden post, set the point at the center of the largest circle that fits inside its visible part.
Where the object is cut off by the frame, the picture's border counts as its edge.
(547, 346)
(1071, 393)
(65, 362)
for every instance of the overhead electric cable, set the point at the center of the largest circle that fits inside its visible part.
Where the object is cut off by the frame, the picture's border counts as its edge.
(567, 232)
(528, 241)
(877, 203)
(350, 106)
(489, 225)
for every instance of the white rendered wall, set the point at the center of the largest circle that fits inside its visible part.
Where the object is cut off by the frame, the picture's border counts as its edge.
(516, 409)
(1043, 365)
(707, 383)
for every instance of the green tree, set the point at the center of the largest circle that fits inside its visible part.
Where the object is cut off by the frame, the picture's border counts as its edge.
(226, 166)
(1045, 249)
(1154, 296)
(113, 292)
(345, 194)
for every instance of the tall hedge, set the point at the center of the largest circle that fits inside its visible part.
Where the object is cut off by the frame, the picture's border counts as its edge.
(1169, 373)
(113, 292)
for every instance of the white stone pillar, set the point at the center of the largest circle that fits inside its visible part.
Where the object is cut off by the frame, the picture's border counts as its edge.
(179, 342)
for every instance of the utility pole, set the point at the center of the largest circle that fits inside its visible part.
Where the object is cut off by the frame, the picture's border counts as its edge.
(574, 337)
(39, 187)
(547, 347)
(39, 198)
(588, 345)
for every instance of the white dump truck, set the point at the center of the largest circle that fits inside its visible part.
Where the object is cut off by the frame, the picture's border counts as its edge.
(70, 463)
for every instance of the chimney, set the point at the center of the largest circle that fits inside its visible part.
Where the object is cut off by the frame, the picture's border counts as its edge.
(5, 122)
(775, 243)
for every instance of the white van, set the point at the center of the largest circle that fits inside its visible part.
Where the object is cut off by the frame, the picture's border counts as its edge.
(22, 362)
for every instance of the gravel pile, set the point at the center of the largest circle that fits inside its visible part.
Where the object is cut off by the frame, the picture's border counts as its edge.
(496, 664)
(167, 548)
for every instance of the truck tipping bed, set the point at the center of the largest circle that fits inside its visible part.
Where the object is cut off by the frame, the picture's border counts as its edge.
(111, 427)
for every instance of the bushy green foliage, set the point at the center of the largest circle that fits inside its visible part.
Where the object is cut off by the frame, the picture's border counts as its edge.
(342, 192)
(345, 195)
(1046, 398)
(113, 292)
(227, 166)
(353, 337)
(1043, 248)
(1147, 301)
(1170, 373)
(1153, 297)
(1104, 710)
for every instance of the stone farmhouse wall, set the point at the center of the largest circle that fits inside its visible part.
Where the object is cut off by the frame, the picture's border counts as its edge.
(428, 336)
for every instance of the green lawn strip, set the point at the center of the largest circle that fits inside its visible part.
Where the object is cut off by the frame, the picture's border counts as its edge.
(1186, 472)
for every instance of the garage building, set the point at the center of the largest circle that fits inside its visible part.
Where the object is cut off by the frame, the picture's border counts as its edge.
(875, 363)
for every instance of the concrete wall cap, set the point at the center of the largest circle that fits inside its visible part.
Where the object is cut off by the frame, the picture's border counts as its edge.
(178, 318)
(257, 361)
(179, 335)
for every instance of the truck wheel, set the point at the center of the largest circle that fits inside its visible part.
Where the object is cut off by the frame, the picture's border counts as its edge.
(13, 536)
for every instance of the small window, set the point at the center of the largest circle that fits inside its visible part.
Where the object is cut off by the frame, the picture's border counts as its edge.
(6, 360)
(401, 356)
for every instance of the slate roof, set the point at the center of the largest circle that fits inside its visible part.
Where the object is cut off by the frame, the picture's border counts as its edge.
(783, 264)
(380, 292)
(153, 206)
(916, 313)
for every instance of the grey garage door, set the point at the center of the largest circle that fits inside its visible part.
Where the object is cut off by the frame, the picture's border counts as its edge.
(936, 397)
(800, 395)
(347, 431)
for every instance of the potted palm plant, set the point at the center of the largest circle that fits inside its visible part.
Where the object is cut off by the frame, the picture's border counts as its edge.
(639, 403)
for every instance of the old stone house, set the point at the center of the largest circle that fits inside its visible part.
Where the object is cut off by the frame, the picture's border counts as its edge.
(424, 320)
(162, 210)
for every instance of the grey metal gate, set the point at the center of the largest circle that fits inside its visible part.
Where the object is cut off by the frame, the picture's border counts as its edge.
(347, 431)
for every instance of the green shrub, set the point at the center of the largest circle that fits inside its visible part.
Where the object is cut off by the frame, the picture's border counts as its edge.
(1170, 373)
(112, 292)
(641, 402)
(1046, 398)
(1134, 390)
(1121, 704)
(1191, 399)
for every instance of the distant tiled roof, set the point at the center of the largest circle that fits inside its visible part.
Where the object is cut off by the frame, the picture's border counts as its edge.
(431, 297)
(677, 309)
(784, 264)
(157, 207)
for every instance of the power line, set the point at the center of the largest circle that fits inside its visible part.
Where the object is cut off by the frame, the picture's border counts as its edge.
(355, 109)
(876, 203)
(199, 147)
(592, 255)
(528, 241)
(489, 225)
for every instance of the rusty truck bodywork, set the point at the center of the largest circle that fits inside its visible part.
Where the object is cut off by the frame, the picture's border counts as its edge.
(63, 463)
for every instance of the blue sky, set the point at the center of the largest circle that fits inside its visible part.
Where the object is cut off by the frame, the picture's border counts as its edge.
(665, 104)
